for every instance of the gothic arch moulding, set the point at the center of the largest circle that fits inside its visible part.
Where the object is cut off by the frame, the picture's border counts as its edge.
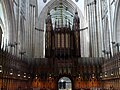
(1, 24)
(50, 5)
(9, 20)
(1, 31)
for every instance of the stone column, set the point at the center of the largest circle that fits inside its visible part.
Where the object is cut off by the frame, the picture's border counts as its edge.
(89, 27)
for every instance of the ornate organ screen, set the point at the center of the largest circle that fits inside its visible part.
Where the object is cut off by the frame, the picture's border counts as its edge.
(58, 42)
(67, 43)
(62, 40)
(48, 36)
(53, 42)
(76, 35)
(47, 40)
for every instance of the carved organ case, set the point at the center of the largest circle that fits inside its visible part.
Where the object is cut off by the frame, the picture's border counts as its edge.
(48, 36)
(62, 41)
(76, 30)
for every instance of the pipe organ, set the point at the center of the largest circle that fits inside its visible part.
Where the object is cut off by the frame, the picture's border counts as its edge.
(62, 41)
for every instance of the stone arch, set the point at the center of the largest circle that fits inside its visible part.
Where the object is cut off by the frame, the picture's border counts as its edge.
(65, 83)
(65, 75)
(9, 21)
(69, 3)
(1, 32)
(117, 22)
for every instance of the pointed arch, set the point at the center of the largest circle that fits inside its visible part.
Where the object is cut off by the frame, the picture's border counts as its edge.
(52, 4)
(8, 21)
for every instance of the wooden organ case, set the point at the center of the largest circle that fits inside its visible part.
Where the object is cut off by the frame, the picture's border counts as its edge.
(62, 41)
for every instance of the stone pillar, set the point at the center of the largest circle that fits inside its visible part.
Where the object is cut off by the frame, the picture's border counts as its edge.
(32, 9)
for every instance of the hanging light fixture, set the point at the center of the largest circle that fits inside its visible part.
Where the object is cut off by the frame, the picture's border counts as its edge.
(18, 74)
(36, 76)
(11, 71)
(105, 74)
(0, 68)
(100, 75)
(112, 74)
(24, 75)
